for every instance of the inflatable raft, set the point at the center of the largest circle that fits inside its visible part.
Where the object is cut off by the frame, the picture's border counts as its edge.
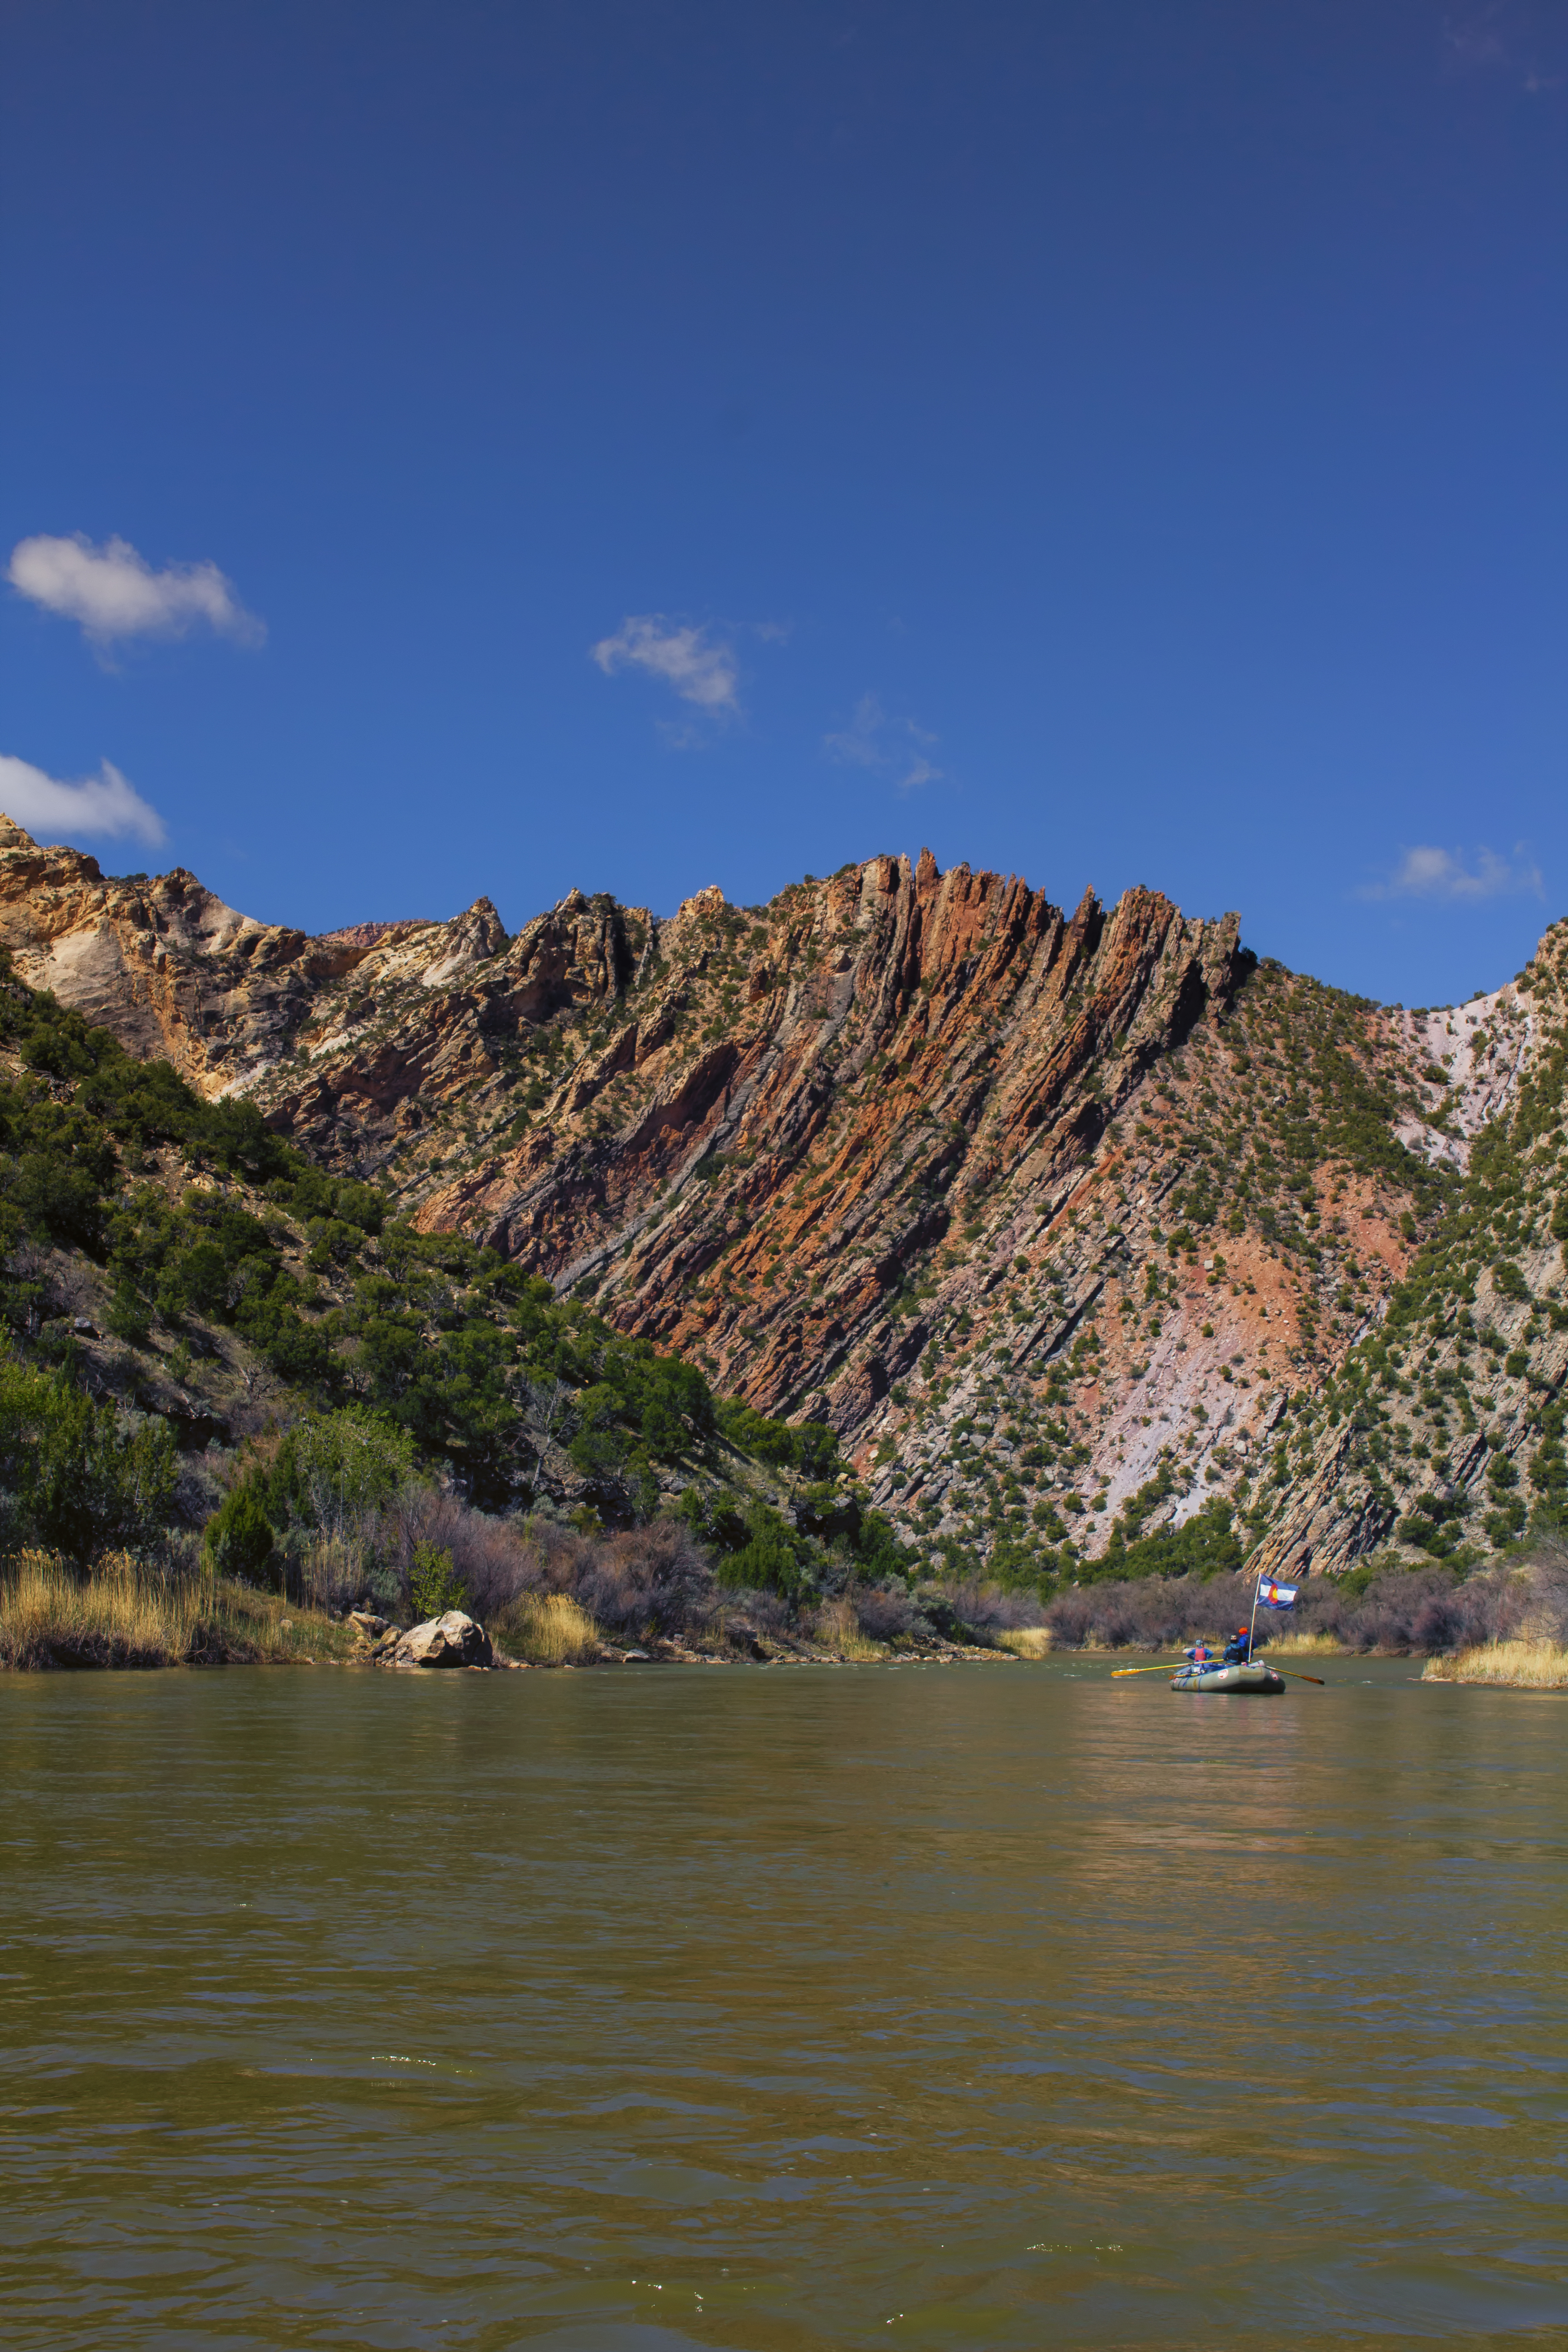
(1254, 1680)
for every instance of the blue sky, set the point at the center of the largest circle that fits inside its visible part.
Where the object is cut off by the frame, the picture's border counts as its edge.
(645, 446)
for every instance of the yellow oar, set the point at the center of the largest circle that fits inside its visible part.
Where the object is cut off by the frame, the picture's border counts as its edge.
(1173, 1667)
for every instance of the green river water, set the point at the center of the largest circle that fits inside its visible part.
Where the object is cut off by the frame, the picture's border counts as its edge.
(638, 2009)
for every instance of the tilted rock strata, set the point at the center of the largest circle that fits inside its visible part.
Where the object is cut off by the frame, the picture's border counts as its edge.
(996, 1189)
(906, 1043)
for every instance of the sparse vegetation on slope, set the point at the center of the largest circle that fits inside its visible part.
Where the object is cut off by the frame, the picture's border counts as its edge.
(1103, 1253)
(385, 1373)
(1442, 1428)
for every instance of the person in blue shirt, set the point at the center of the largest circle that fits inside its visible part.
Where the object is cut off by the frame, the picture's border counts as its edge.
(1238, 1649)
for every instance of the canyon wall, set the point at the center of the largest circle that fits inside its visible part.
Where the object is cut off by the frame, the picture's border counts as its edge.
(1075, 1225)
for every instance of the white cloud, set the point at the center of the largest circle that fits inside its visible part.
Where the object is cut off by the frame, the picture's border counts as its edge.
(106, 802)
(115, 593)
(857, 745)
(874, 741)
(698, 668)
(1426, 872)
(921, 772)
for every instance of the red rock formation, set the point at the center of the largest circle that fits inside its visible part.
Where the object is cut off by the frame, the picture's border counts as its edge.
(912, 1151)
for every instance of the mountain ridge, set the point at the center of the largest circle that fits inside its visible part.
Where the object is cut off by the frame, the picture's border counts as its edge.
(918, 1153)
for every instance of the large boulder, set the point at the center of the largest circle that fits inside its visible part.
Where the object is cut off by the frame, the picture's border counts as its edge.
(452, 1640)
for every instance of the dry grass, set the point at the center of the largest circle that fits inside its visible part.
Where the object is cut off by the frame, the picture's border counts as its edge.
(1518, 1665)
(123, 1614)
(333, 1571)
(836, 1627)
(115, 1619)
(1027, 1640)
(1300, 1646)
(547, 1630)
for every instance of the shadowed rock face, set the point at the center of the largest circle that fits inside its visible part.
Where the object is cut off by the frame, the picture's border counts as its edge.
(921, 1154)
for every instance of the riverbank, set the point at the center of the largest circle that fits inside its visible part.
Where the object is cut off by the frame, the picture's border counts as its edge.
(123, 1614)
(1504, 1666)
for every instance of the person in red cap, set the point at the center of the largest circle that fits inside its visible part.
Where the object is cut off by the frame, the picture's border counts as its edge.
(1238, 1649)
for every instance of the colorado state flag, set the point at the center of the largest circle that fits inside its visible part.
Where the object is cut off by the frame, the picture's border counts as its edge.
(1275, 1596)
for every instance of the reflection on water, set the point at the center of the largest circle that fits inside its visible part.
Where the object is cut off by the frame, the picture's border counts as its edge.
(969, 2006)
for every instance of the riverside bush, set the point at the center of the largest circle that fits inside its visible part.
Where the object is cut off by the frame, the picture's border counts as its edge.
(838, 1625)
(770, 1559)
(335, 1469)
(1521, 1665)
(434, 1585)
(317, 1501)
(240, 1539)
(76, 1476)
(648, 1581)
(884, 1611)
(1425, 1609)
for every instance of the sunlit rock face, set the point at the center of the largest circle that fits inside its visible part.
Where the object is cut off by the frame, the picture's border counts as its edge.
(1071, 1224)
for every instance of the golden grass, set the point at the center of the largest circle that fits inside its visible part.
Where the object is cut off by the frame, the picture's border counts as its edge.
(1300, 1646)
(1027, 1640)
(836, 1628)
(546, 1630)
(1517, 1665)
(122, 1614)
(46, 1617)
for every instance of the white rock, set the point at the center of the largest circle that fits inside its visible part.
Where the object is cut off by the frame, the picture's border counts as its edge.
(452, 1640)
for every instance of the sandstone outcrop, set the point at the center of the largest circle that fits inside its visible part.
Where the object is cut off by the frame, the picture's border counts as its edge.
(177, 974)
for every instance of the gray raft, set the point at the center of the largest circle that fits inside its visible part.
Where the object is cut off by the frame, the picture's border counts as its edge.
(1252, 1681)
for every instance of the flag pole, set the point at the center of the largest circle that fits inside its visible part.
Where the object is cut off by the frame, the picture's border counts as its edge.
(1253, 1627)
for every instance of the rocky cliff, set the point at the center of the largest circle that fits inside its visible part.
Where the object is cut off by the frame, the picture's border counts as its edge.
(1070, 1223)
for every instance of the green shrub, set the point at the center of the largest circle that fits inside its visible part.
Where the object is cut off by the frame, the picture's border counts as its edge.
(807, 1446)
(1206, 1545)
(127, 1317)
(1433, 1524)
(770, 1560)
(597, 1452)
(238, 1539)
(74, 1476)
(434, 1585)
(333, 1469)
